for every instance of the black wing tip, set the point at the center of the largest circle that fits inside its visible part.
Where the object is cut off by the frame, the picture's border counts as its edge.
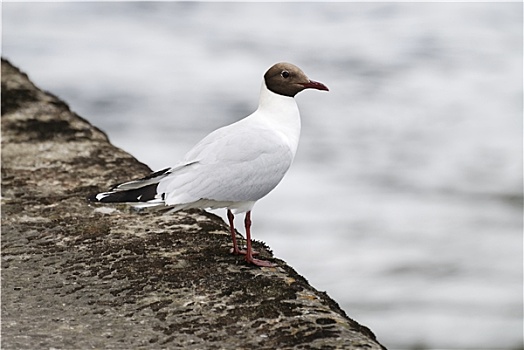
(143, 194)
(92, 198)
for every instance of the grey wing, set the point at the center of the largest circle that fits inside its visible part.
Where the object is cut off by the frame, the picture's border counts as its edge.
(229, 166)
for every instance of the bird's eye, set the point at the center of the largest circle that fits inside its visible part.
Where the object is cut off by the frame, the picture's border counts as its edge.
(285, 74)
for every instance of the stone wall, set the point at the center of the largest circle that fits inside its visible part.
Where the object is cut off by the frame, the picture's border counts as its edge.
(77, 275)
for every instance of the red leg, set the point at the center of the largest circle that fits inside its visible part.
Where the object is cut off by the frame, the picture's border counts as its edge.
(231, 219)
(235, 249)
(249, 254)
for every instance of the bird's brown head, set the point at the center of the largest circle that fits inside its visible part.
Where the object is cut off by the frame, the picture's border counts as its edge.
(288, 80)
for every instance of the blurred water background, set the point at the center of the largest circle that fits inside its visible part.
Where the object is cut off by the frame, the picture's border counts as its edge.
(405, 199)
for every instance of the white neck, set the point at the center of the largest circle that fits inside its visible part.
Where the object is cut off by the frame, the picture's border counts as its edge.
(281, 113)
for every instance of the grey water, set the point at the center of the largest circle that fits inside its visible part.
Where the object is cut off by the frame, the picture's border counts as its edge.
(404, 202)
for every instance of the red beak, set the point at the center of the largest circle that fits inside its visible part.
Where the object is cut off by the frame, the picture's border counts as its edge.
(315, 85)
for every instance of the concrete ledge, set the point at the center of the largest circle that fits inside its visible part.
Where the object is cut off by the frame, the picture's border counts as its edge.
(78, 276)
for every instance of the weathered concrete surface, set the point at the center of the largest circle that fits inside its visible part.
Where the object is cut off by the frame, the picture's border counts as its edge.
(79, 276)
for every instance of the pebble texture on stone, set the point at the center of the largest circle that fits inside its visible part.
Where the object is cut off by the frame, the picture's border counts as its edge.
(77, 275)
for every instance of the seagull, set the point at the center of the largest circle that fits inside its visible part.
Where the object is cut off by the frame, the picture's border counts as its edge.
(234, 166)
